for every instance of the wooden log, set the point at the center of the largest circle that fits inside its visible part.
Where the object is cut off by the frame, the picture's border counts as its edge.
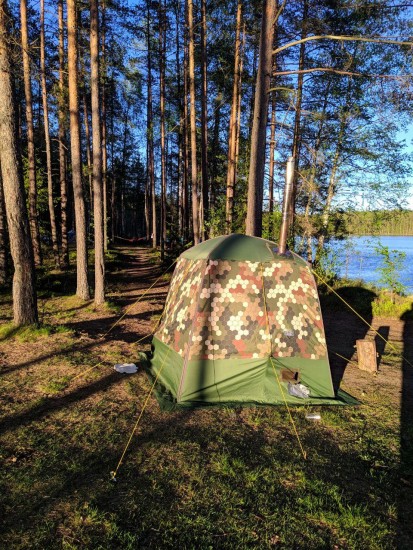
(367, 355)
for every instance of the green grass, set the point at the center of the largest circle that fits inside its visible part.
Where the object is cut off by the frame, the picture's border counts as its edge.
(31, 333)
(225, 478)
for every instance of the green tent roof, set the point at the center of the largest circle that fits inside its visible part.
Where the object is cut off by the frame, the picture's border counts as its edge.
(236, 248)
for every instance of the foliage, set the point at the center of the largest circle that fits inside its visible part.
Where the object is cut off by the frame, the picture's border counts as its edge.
(327, 266)
(392, 264)
(390, 305)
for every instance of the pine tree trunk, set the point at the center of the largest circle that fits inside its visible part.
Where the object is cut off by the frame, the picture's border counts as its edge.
(82, 289)
(149, 131)
(272, 165)
(231, 169)
(3, 231)
(180, 194)
(194, 174)
(215, 150)
(162, 60)
(24, 289)
(47, 139)
(34, 224)
(113, 190)
(297, 121)
(259, 127)
(62, 116)
(88, 151)
(97, 156)
(204, 123)
(185, 144)
(104, 131)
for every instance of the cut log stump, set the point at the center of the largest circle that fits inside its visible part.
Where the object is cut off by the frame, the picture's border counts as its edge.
(367, 355)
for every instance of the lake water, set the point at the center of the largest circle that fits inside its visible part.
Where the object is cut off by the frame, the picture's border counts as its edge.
(356, 258)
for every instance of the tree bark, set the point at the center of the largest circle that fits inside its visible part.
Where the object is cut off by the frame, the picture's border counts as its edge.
(62, 116)
(215, 151)
(88, 151)
(194, 175)
(204, 122)
(24, 289)
(104, 131)
(82, 289)
(272, 164)
(3, 231)
(47, 139)
(185, 130)
(162, 60)
(297, 121)
(180, 197)
(149, 130)
(258, 137)
(231, 169)
(34, 224)
(97, 156)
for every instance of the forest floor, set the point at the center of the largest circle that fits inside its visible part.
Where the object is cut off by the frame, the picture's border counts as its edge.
(224, 478)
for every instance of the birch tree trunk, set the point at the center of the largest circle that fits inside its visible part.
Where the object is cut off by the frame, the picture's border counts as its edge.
(97, 156)
(47, 139)
(62, 117)
(34, 224)
(194, 175)
(82, 289)
(259, 126)
(24, 290)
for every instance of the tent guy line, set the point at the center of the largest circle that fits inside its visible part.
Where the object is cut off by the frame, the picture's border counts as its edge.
(362, 318)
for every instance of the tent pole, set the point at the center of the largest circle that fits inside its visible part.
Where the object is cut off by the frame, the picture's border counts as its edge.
(285, 224)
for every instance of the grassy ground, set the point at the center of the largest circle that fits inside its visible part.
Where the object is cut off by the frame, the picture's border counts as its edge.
(225, 478)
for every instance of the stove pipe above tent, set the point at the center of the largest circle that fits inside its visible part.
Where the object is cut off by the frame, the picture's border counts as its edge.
(286, 214)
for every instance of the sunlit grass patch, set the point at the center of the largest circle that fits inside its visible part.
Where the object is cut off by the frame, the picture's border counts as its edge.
(30, 333)
(387, 305)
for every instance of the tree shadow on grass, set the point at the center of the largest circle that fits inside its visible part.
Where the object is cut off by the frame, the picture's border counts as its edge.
(180, 464)
(48, 405)
(405, 507)
(343, 327)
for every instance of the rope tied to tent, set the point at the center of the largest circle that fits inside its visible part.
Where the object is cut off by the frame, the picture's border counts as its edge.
(303, 452)
(115, 471)
(113, 474)
(122, 317)
(361, 317)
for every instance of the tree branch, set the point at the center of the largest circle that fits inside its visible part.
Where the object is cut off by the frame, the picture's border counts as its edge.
(377, 40)
(337, 71)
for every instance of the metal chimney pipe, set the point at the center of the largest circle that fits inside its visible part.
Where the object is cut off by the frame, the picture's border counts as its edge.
(288, 189)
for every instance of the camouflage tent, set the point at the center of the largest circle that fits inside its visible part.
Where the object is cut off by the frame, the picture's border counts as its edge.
(242, 324)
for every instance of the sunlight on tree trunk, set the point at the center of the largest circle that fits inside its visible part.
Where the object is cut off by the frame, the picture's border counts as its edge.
(97, 156)
(82, 289)
(31, 160)
(24, 290)
(258, 136)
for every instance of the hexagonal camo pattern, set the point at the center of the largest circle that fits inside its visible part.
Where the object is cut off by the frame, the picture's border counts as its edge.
(218, 309)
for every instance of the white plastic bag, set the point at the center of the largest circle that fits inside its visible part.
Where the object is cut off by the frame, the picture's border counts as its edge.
(126, 368)
(298, 390)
